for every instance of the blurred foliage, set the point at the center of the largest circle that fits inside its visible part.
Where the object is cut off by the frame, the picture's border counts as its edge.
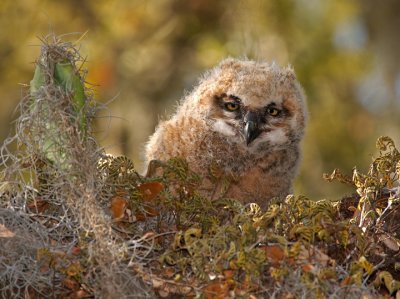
(144, 54)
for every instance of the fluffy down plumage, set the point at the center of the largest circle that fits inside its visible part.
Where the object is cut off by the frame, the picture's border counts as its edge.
(246, 117)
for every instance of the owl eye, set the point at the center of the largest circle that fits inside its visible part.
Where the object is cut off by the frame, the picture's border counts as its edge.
(273, 111)
(231, 106)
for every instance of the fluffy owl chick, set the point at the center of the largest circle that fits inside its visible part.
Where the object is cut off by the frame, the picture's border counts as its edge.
(246, 117)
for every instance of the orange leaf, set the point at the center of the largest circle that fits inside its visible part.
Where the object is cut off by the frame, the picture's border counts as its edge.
(75, 250)
(345, 281)
(74, 269)
(169, 272)
(148, 235)
(118, 207)
(150, 190)
(229, 273)
(38, 205)
(71, 284)
(140, 216)
(81, 294)
(217, 290)
(5, 232)
(308, 268)
(151, 212)
(274, 254)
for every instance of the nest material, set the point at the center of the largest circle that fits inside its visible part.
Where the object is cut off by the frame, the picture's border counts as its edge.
(51, 180)
(77, 223)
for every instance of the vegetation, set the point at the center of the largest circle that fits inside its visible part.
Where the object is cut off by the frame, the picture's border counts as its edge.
(142, 55)
(78, 223)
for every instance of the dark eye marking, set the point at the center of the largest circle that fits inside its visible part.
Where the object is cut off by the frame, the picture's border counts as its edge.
(230, 103)
(273, 111)
(235, 98)
(276, 111)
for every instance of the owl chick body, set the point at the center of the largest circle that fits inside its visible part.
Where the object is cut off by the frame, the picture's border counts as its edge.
(246, 117)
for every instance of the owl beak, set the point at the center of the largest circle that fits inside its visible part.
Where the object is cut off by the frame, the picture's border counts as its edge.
(251, 127)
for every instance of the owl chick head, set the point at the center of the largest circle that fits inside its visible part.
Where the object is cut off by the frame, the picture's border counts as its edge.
(257, 104)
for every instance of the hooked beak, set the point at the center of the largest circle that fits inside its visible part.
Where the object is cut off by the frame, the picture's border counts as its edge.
(251, 127)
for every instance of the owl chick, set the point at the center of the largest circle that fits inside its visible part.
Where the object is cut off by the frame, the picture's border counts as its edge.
(246, 117)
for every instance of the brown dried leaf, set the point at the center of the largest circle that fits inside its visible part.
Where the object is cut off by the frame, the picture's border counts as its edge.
(150, 190)
(38, 205)
(346, 281)
(82, 294)
(71, 284)
(216, 290)
(390, 242)
(274, 253)
(169, 272)
(337, 175)
(315, 255)
(308, 268)
(75, 250)
(228, 274)
(118, 207)
(385, 278)
(74, 269)
(5, 232)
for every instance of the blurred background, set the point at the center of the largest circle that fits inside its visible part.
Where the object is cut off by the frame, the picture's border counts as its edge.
(143, 55)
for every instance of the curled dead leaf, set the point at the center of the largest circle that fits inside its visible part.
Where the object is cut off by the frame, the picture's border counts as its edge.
(150, 190)
(314, 254)
(75, 250)
(71, 284)
(308, 268)
(390, 242)
(217, 290)
(274, 253)
(5, 232)
(118, 207)
(38, 205)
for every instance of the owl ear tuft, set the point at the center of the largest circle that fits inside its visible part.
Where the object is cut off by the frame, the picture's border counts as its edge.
(289, 73)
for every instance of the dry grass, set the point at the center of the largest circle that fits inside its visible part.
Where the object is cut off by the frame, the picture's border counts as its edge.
(77, 223)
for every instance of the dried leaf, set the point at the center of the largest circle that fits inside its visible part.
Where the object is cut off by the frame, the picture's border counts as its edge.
(75, 250)
(364, 264)
(228, 274)
(82, 294)
(118, 207)
(71, 284)
(314, 254)
(346, 281)
(169, 272)
(216, 290)
(5, 232)
(74, 269)
(337, 175)
(274, 254)
(148, 235)
(308, 268)
(386, 278)
(390, 242)
(150, 190)
(38, 205)
(151, 212)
